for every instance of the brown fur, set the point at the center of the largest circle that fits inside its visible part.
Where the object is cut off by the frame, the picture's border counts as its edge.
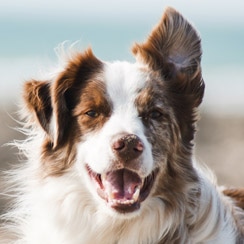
(173, 49)
(93, 99)
(237, 194)
(167, 107)
(175, 57)
(60, 96)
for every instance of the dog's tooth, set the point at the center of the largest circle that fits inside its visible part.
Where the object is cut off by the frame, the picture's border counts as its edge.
(136, 194)
(124, 201)
(103, 177)
(110, 194)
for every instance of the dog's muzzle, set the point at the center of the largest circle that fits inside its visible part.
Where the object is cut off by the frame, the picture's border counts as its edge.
(122, 187)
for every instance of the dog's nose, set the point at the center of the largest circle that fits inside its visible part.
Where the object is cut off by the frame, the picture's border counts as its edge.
(128, 147)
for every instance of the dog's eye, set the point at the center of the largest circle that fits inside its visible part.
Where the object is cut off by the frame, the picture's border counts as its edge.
(92, 113)
(155, 114)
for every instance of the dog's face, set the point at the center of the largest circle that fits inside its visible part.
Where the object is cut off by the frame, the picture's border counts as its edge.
(123, 129)
(127, 129)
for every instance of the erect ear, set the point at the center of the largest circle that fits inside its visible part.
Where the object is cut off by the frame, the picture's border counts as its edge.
(52, 102)
(174, 49)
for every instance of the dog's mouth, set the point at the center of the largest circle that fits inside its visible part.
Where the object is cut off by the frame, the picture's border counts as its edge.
(123, 189)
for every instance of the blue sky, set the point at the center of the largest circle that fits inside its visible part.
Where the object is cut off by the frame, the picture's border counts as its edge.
(203, 10)
(30, 29)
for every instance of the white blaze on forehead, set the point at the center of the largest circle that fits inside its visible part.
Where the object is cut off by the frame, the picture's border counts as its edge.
(123, 81)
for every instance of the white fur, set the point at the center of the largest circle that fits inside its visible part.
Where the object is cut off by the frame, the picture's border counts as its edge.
(61, 210)
(123, 120)
(66, 209)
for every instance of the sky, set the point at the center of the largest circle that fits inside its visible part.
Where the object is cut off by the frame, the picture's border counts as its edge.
(205, 10)
(31, 29)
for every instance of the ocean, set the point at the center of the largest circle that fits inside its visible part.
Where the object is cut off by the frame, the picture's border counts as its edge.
(27, 48)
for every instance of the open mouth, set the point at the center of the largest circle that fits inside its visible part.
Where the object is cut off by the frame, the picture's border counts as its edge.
(122, 189)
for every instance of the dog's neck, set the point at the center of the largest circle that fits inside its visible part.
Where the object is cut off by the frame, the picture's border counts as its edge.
(203, 219)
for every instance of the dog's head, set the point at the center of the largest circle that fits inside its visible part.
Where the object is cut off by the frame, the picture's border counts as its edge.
(126, 128)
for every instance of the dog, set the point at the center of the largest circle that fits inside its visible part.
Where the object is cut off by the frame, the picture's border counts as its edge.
(110, 152)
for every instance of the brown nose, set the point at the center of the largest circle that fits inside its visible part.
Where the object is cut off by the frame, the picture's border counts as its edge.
(128, 147)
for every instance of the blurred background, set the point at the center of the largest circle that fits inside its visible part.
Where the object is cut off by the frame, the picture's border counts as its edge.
(30, 31)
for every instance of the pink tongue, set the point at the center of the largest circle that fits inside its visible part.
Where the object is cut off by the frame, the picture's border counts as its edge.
(121, 184)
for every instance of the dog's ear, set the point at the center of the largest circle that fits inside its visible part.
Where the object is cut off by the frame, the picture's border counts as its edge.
(52, 102)
(38, 101)
(174, 49)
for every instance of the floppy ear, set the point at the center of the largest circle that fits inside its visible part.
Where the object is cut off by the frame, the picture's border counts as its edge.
(174, 49)
(38, 101)
(52, 102)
